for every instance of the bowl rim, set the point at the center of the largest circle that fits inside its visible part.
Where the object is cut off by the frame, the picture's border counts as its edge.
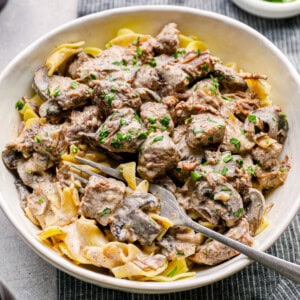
(225, 269)
(270, 9)
(272, 6)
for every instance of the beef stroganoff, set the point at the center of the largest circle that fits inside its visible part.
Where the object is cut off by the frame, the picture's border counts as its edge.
(167, 109)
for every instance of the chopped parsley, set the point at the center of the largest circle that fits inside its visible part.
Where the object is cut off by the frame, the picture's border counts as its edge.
(188, 120)
(122, 122)
(37, 139)
(179, 52)
(165, 121)
(196, 175)
(220, 126)
(103, 134)
(109, 96)
(225, 189)
(224, 171)
(125, 62)
(251, 170)
(152, 63)
(204, 67)
(137, 117)
(73, 149)
(93, 76)
(139, 51)
(120, 137)
(142, 136)
(41, 200)
(282, 169)
(136, 41)
(180, 253)
(197, 131)
(173, 272)
(206, 251)
(157, 139)
(209, 119)
(56, 91)
(211, 139)
(19, 105)
(252, 119)
(238, 213)
(105, 212)
(74, 84)
(236, 143)
(227, 158)
(215, 85)
(240, 162)
(151, 119)
(90, 91)
(134, 60)
(117, 63)
(227, 98)
(198, 52)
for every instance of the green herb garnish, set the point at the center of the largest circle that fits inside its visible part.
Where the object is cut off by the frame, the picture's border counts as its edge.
(73, 149)
(238, 213)
(165, 121)
(227, 158)
(102, 135)
(151, 119)
(215, 85)
(152, 63)
(37, 139)
(93, 76)
(19, 104)
(74, 84)
(139, 51)
(172, 273)
(56, 91)
(252, 119)
(224, 171)
(196, 175)
(236, 143)
(157, 139)
(41, 200)
(105, 212)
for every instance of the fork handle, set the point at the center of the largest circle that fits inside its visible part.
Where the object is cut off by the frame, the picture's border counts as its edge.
(288, 269)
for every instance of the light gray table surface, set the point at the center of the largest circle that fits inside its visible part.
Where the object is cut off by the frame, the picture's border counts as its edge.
(22, 22)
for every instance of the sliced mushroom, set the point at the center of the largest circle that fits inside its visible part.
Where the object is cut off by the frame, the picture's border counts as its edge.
(268, 120)
(11, 157)
(255, 206)
(131, 222)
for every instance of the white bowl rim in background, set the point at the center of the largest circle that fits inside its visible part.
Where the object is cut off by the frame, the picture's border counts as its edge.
(270, 9)
(224, 270)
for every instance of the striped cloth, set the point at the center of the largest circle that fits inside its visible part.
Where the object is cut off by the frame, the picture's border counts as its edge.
(255, 281)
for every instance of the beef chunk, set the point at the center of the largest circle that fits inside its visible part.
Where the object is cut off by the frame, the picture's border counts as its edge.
(168, 39)
(174, 79)
(205, 129)
(115, 63)
(82, 123)
(58, 91)
(267, 157)
(101, 198)
(229, 79)
(158, 155)
(111, 95)
(156, 117)
(122, 132)
(75, 67)
(131, 222)
(214, 252)
(204, 97)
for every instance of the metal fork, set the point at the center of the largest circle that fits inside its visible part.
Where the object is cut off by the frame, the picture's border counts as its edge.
(171, 210)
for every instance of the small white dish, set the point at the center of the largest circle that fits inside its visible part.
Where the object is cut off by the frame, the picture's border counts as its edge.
(270, 9)
(251, 51)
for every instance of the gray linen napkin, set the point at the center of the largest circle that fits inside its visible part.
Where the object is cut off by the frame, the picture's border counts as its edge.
(255, 281)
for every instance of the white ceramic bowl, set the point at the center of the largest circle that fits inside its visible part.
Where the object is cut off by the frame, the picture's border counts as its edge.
(270, 9)
(227, 38)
